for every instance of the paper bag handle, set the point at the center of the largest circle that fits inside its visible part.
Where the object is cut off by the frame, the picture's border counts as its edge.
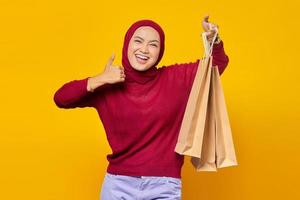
(207, 47)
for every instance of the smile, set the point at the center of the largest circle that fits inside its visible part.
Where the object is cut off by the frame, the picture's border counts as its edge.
(141, 57)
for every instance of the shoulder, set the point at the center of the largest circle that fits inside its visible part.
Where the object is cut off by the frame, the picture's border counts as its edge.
(179, 67)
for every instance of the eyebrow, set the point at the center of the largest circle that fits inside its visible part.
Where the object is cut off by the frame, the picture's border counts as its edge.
(143, 39)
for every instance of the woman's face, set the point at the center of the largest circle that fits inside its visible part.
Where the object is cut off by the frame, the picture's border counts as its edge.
(143, 48)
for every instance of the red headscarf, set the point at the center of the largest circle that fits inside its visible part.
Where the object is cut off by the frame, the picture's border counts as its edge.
(133, 75)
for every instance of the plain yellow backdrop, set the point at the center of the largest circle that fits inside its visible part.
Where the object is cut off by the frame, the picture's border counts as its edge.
(49, 153)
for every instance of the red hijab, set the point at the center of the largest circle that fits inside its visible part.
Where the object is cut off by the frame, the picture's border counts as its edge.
(133, 75)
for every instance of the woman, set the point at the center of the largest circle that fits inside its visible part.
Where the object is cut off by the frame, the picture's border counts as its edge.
(141, 108)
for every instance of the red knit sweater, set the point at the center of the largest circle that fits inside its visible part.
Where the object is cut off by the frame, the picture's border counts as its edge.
(141, 147)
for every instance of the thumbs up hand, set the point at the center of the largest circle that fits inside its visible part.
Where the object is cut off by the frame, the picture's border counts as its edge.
(111, 74)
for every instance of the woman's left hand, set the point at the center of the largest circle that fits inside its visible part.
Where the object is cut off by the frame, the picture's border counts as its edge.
(209, 28)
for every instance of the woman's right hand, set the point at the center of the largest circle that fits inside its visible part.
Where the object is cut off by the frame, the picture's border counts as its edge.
(111, 74)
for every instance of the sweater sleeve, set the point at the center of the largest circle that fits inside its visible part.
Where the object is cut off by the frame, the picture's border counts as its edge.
(220, 58)
(75, 94)
(185, 72)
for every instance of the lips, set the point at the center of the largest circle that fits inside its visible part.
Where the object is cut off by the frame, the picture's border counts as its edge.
(141, 58)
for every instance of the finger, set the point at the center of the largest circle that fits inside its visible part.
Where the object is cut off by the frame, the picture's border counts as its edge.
(121, 67)
(209, 35)
(111, 59)
(214, 27)
(206, 18)
(205, 23)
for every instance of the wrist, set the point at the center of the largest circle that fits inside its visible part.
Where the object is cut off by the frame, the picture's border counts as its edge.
(217, 40)
(90, 88)
(96, 82)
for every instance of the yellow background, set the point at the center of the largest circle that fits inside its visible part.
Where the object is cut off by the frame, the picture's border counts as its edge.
(49, 153)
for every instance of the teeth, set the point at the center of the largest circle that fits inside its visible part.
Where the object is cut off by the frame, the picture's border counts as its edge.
(142, 57)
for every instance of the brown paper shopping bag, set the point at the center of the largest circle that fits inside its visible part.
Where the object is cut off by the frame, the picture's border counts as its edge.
(225, 152)
(197, 133)
(205, 133)
(193, 124)
(207, 160)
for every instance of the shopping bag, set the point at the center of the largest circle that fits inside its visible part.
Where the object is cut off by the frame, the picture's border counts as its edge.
(225, 151)
(205, 133)
(193, 124)
(206, 161)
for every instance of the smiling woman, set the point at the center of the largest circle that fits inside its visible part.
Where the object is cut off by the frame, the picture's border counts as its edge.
(143, 49)
(141, 113)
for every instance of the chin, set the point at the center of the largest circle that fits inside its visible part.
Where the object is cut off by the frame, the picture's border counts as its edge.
(140, 68)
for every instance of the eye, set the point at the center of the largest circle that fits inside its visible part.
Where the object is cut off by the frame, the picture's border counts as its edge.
(154, 45)
(137, 41)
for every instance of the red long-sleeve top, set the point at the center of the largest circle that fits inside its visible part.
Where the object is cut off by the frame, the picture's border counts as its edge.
(142, 147)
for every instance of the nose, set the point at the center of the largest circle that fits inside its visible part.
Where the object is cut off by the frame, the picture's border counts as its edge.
(144, 49)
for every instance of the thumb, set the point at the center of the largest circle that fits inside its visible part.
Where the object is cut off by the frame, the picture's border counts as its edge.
(206, 18)
(110, 60)
(205, 23)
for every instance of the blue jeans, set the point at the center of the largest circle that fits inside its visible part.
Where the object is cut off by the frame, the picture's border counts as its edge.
(121, 187)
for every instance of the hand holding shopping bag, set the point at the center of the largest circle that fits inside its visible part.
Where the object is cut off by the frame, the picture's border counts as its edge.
(205, 133)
